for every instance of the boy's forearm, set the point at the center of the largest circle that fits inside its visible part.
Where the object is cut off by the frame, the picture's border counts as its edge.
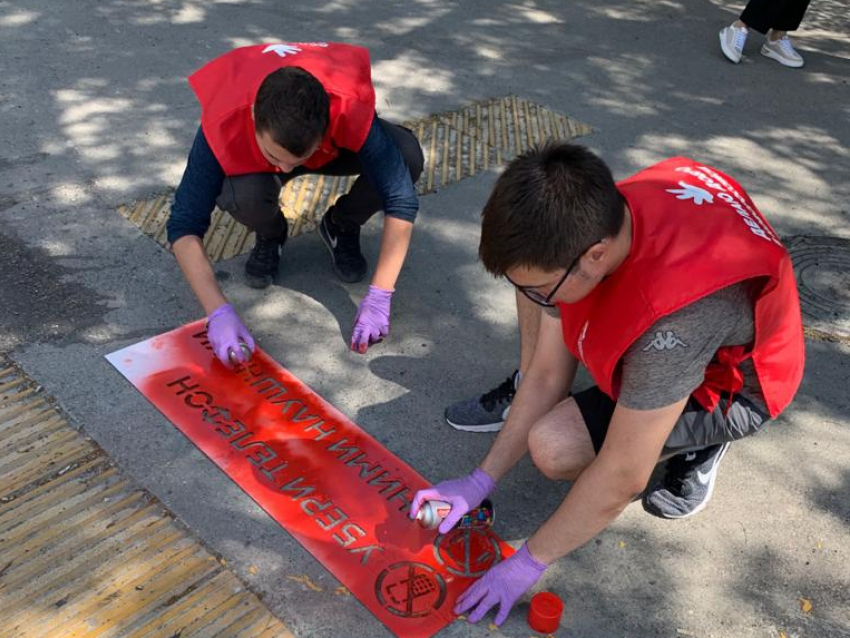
(536, 396)
(190, 254)
(395, 243)
(620, 472)
(593, 502)
(547, 382)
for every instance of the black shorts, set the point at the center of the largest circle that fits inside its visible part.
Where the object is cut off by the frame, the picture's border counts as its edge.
(696, 428)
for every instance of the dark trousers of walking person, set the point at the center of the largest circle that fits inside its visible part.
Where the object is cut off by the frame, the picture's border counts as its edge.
(779, 15)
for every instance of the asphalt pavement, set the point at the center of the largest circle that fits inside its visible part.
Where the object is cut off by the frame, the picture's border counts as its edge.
(95, 112)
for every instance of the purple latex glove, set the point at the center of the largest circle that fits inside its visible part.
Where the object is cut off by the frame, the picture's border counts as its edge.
(502, 585)
(372, 322)
(464, 494)
(227, 333)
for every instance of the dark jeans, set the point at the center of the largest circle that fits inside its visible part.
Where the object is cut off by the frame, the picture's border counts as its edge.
(781, 15)
(253, 199)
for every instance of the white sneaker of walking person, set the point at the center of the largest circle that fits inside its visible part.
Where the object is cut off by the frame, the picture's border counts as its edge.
(782, 51)
(732, 41)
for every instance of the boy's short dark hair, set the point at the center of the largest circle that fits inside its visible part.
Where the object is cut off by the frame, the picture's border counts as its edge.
(551, 204)
(293, 107)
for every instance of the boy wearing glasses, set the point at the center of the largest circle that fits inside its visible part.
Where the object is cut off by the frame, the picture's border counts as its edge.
(676, 295)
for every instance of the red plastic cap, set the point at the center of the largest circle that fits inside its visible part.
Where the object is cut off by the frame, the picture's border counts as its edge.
(544, 614)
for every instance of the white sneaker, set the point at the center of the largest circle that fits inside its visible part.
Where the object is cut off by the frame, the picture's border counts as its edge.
(782, 51)
(732, 41)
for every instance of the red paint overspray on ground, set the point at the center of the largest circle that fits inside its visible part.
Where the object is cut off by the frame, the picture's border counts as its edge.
(339, 492)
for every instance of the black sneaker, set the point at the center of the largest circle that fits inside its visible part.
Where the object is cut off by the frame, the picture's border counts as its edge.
(263, 262)
(344, 246)
(687, 484)
(486, 413)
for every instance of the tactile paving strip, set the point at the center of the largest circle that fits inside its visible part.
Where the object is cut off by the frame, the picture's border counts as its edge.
(84, 554)
(457, 144)
(822, 267)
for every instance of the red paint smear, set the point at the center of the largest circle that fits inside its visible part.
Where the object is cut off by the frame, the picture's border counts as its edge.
(407, 576)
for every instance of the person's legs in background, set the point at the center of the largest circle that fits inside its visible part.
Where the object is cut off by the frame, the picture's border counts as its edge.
(732, 40)
(782, 16)
(773, 18)
(340, 225)
(253, 200)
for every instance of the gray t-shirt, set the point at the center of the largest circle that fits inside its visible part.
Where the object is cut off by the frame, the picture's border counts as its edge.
(668, 361)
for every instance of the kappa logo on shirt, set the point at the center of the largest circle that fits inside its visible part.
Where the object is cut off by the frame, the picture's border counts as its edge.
(664, 341)
(695, 193)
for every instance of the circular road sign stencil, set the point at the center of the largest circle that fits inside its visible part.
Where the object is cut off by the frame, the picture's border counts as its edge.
(467, 552)
(410, 590)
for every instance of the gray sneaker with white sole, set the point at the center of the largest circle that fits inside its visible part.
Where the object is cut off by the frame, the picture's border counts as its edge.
(486, 413)
(687, 484)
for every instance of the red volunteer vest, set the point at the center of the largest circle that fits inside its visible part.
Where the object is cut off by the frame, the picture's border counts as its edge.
(695, 231)
(227, 88)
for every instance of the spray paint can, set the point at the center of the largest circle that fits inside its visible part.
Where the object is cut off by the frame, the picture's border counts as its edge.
(231, 354)
(432, 513)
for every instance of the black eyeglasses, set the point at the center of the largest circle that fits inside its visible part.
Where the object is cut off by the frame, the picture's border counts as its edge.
(546, 300)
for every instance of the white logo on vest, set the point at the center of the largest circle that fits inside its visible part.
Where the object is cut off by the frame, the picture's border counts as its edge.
(699, 195)
(730, 195)
(282, 49)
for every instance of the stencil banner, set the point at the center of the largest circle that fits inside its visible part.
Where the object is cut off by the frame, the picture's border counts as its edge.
(339, 492)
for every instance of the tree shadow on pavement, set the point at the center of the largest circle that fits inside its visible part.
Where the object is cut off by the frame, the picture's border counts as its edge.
(103, 115)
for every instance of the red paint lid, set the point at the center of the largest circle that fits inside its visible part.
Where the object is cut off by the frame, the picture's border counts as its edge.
(544, 614)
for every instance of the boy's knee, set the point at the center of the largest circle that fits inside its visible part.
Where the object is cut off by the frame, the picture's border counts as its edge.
(546, 452)
(415, 161)
(542, 454)
(249, 196)
(559, 447)
(411, 152)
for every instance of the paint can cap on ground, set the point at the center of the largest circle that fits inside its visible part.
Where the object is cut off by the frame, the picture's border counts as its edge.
(544, 614)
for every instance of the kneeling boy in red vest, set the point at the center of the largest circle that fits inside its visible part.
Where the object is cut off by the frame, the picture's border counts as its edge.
(676, 294)
(274, 112)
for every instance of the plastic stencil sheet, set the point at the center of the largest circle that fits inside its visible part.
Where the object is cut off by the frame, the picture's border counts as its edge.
(339, 492)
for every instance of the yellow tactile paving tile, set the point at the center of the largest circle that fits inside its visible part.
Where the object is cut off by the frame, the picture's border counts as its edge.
(456, 144)
(84, 554)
